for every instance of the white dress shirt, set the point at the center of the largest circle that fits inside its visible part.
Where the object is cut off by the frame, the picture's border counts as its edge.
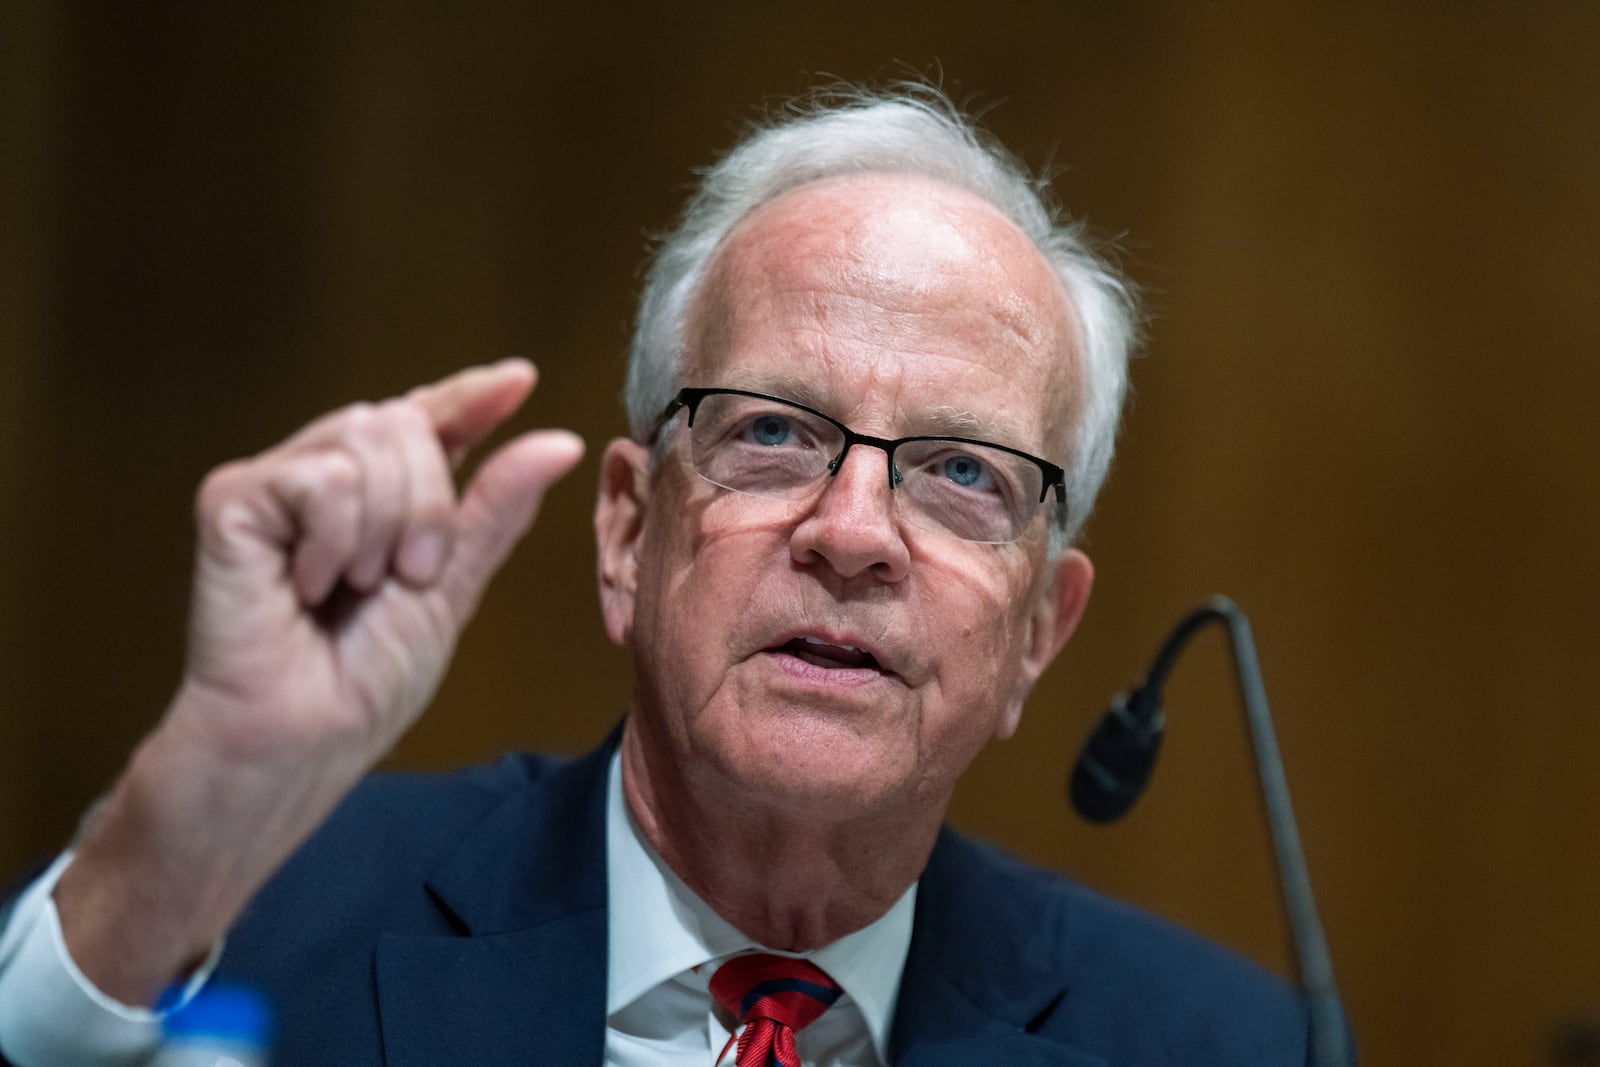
(665, 943)
(51, 1015)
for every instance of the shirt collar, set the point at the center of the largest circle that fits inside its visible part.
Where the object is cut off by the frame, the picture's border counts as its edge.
(659, 928)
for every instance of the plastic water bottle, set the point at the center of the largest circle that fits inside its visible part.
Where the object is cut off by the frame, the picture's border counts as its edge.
(223, 1026)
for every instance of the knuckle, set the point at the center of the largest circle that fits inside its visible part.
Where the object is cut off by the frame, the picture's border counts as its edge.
(407, 417)
(314, 476)
(218, 487)
(337, 471)
(356, 420)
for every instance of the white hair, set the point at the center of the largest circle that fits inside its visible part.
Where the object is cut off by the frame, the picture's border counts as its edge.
(911, 129)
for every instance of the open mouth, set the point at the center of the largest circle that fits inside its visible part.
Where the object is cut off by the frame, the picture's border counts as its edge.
(820, 653)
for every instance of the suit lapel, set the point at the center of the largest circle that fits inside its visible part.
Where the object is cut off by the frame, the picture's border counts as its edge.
(523, 982)
(984, 969)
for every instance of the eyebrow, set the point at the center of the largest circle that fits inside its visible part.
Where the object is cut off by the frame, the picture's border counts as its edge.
(943, 420)
(958, 421)
(799, 390)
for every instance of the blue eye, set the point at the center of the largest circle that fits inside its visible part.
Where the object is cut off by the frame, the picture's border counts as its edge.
(966, 472)
(769, 430)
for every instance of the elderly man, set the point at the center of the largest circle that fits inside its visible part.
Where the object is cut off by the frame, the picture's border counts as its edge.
(873, 391)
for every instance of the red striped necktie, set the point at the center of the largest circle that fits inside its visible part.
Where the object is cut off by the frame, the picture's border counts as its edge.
(777, 997)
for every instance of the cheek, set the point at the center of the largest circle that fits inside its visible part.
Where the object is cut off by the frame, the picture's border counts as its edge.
(709, 565)
(977, 620)
(668, 589)
(980, 611)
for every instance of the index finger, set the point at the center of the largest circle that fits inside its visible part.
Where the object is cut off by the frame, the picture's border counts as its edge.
(466, 407)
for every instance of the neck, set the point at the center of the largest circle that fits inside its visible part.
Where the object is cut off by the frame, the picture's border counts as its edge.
(784, 878)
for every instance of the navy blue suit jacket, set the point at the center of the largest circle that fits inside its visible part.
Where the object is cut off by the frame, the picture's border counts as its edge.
(448, 921)
(460, 920)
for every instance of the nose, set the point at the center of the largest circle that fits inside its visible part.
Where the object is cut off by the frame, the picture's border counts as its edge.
(852, 525)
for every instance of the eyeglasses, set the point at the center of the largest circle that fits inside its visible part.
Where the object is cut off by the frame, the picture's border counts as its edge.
(770, 447)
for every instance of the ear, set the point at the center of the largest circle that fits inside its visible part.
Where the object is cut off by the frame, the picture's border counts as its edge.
(1058, 603)
(618, 524)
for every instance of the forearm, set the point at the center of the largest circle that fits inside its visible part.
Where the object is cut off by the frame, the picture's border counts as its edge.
(175, 854)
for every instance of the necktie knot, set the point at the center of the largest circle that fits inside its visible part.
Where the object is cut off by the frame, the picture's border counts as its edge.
(772, 997)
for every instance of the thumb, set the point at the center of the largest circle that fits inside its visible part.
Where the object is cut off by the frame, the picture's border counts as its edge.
(500, 505)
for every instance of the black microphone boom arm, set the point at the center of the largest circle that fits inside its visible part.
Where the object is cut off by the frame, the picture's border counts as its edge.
(1102, 796)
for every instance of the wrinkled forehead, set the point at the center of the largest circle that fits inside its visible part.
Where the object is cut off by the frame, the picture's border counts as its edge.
(901, 266)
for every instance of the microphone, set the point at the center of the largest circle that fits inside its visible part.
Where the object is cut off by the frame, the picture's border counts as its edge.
(1120, 755)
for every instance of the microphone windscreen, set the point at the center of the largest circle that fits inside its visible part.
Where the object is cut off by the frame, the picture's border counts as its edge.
(1118, 758)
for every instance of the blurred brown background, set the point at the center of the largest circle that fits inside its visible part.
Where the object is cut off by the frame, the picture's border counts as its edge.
(1368, 237)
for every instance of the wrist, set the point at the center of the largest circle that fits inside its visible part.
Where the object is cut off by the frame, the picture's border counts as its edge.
(159, 874)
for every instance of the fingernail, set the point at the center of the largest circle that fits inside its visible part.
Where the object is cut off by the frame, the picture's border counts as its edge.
(575, 443)
(422, 556)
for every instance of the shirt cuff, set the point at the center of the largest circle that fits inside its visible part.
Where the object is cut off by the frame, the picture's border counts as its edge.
(51, 1013)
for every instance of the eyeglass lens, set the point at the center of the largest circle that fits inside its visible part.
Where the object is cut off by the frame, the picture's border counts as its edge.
(769, 448)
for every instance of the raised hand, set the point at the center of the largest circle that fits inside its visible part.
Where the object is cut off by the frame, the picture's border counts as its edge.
(336, 570)
(334, 574)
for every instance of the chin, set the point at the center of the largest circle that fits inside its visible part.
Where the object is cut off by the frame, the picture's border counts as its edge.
(815, 768)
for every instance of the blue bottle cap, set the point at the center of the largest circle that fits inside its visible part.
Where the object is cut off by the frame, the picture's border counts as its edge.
(226, 1012)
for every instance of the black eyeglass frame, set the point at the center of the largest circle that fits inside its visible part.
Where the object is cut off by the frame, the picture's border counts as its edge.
(1055, 477)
